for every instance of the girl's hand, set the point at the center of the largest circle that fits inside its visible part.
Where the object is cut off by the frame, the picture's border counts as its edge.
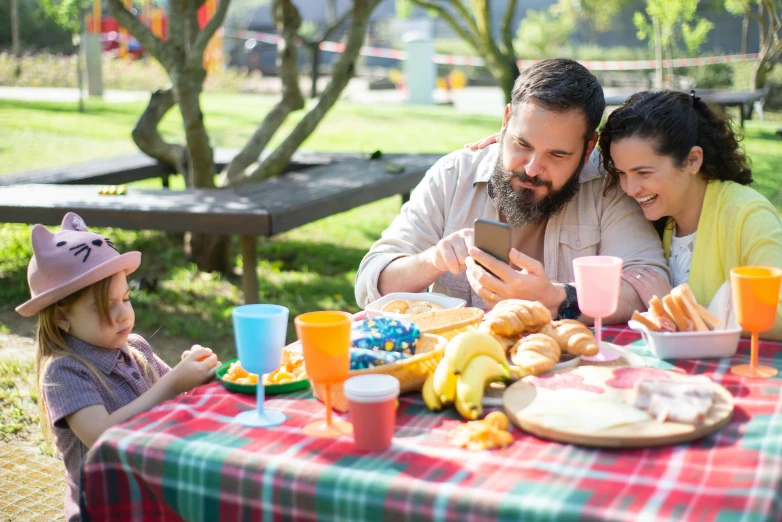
(187, 352)
(485, 142)
(197, 367)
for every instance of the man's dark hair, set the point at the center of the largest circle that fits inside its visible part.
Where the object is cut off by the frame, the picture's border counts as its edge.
(561, 85)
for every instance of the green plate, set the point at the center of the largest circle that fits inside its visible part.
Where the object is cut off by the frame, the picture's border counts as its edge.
(271, 389)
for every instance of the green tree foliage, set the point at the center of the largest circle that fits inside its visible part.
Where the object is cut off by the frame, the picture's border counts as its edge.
(38, 30)
(767, 15)
(547, 29)
(678, 23)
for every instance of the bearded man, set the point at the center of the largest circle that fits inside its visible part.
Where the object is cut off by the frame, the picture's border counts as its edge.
(543, 178)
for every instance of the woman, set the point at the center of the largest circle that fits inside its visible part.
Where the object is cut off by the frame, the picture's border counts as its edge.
(684, 166)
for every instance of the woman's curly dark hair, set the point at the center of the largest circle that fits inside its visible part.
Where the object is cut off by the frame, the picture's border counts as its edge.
(676, 122)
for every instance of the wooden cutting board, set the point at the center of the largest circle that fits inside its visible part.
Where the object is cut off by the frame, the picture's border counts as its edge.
(587, 386)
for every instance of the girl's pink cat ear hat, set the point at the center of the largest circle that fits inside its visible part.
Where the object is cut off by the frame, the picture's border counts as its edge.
(70, 260)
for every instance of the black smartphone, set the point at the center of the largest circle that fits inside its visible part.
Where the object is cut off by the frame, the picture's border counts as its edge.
(493, 238)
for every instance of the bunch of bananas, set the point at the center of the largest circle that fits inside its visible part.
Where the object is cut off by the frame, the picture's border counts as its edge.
(472, 360)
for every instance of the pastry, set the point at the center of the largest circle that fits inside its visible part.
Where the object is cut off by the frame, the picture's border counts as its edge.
(410, 306)
(535, 354)
(572, 336)
(648, 323)
(678, 311)
(514, 317)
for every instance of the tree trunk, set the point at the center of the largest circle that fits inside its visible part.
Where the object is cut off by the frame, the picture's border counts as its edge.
(506, 77)
(342, 72)
(16, 43)
(208, 251)
(148, 139)
(202, 167)
(760, 71)
(671, 77)
(288, 22)
(80, 73)
(658, 54)
(315, 50)
(745, 34)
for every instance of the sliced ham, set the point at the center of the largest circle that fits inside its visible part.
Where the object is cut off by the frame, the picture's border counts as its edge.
(682, 400)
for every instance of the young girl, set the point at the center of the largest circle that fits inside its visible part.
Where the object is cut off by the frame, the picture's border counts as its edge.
(683, 164)
(92, 372)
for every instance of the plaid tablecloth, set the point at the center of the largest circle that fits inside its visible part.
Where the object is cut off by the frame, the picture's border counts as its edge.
(187, 460)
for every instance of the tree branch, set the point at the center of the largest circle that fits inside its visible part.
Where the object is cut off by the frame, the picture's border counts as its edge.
(507, 30)
(140, 32)
(288, 21)
(330, 29)
(147, 138)
(343, 71)
(191, 24)
(463, 33)
(483, 19)
(468, 19)
(196, 54)
(178, 12)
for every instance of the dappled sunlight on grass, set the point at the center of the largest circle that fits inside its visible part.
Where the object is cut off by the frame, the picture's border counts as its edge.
(309, 268)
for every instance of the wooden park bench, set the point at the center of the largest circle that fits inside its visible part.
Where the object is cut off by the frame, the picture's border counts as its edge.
(744, 100)
(329, 185)
(110, 171)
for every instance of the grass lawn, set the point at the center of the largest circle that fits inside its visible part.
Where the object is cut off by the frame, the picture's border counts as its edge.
(306, 269)
(309, 268)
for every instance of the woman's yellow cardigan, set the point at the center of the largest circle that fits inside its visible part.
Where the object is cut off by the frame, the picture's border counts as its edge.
(737, 227)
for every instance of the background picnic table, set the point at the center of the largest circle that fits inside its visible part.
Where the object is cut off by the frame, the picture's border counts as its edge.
(187, 459)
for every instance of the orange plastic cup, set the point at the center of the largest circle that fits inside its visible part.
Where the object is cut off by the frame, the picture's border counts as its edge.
(325, 342)
(755, 296)
(755, 292)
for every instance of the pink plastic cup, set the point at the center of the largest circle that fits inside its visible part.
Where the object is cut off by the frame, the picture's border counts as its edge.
(372, 401)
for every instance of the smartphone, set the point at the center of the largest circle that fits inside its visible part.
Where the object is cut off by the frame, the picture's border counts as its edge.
(493, 238)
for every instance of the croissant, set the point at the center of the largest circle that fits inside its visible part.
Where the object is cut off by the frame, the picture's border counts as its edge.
(514, 317)
(572, 337)
(535, 354)
(506, 342)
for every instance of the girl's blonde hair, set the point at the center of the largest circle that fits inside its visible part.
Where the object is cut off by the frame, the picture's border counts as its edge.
(51, 344)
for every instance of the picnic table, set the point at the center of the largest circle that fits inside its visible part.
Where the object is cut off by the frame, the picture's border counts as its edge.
(744, 100)
(188, 460)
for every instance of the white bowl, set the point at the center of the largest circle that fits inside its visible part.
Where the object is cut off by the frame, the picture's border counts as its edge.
(690, 345)
(374, 309)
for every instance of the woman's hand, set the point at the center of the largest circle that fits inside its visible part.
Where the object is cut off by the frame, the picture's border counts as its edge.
(196, 368)
(485, 142)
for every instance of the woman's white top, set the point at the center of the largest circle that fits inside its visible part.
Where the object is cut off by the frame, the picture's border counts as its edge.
(681, 257)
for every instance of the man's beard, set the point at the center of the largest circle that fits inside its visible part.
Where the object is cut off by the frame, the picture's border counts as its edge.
(522, 208)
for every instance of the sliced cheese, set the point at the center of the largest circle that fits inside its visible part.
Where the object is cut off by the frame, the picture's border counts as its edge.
(583, 413)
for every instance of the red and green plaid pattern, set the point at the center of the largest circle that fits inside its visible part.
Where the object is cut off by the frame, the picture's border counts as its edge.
(188, 460)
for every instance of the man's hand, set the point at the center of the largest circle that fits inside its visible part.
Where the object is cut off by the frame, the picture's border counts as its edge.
(530, 282)
(450, 253)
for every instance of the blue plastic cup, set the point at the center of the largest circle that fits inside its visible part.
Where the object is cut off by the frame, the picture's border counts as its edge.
(259, 332)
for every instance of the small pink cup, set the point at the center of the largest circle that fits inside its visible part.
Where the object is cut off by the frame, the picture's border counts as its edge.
(372, 401)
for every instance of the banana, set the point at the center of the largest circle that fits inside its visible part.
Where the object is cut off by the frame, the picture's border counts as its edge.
(431, 399)
(480, 371)
(468, 345)
(444, 382)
